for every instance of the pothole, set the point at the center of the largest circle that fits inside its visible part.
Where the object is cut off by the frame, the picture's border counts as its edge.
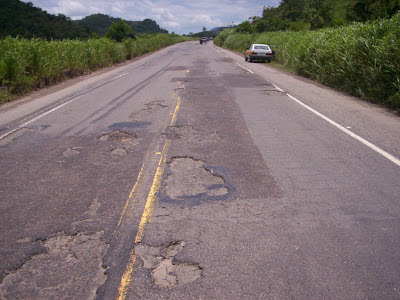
(166, 272)
(188, 133)
(118, 136)
(188, 179)
(120, 151)
(155, 104)
(71, 268)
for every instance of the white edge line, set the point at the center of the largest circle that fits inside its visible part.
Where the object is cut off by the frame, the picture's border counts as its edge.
(250, 71)
(278, 88)
(350, 133)
(119, 76)
(50, 111)
(8, 133)
(37, 118)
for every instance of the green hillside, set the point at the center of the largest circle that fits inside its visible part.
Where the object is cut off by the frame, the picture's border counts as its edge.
(23, 19)
(315, 14)
(100, 24)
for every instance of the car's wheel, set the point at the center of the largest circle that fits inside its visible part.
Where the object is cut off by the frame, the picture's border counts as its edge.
(268, 61)
(250, 60)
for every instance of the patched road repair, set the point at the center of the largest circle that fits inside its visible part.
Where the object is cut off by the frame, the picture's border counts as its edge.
(188, 174)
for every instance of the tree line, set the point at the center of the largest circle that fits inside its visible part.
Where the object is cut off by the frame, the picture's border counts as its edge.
(316, 14)
(20, 19)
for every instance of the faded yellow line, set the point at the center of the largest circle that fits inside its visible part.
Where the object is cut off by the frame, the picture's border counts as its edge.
(127, 277)
(146, 217)
(131, 197)
(174, 116)
(149, 208)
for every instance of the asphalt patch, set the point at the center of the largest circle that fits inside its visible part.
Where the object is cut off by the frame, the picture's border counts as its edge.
(71, 268)
(165, 270)
(187, 133)
(190, 182)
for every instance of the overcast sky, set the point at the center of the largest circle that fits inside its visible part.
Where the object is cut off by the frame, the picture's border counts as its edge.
(180, 16)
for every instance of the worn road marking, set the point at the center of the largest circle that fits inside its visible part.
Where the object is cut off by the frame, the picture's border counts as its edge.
(38, 117)
(219, 51)
(119, 76)
(243, 67)
(350, 133)
(72, 100)
(131, 199)
(178, 104)
(147, 212)
(278, 88)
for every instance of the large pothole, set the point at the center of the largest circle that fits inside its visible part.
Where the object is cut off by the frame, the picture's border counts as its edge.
(71, 268)
(118, 136)
(166, 272)
(188, 179)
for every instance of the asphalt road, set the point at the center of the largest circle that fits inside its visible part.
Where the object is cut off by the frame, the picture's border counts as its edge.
(192, 174)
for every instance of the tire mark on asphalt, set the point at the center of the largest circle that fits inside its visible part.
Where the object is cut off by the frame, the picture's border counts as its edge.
(27, 119)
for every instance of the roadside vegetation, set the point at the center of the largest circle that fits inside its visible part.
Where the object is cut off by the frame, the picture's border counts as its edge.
(362, 59)
(28, 64)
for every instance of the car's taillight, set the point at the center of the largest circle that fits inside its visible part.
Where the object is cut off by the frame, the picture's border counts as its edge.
(253, 52)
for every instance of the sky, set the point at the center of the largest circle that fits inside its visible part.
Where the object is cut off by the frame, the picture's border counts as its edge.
(179, 16)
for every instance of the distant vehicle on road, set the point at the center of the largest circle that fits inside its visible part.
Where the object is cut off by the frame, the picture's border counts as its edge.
(204, 39)
(259, 52)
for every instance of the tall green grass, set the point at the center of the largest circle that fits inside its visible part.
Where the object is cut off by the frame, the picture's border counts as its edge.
(26, 65)
(362, 59)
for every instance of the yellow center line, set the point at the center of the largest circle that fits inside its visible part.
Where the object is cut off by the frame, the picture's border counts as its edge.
(131, 197)
(151, 198)
(127, 277)
(174, 116)
(146, 217)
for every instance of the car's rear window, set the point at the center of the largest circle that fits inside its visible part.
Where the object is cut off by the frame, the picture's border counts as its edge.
(261, 47)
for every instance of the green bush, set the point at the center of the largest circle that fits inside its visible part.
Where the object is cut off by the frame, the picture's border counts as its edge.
(362, 59)
(27, 64)
(245, 27)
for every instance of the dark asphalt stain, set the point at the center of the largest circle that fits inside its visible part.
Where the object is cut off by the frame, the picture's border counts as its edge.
(176, 79)
(177, 68)
(39, 128)
(128, 125)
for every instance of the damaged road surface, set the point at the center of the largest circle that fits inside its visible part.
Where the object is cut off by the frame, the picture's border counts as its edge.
(188, 174)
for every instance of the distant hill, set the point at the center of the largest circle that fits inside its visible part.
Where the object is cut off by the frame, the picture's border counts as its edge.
(22, 19)
(218, 28)
(100, 24)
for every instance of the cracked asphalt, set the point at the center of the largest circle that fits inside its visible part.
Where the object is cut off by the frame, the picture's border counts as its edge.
(191, 174)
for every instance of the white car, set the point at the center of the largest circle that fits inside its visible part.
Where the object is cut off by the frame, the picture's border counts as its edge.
(259, 52)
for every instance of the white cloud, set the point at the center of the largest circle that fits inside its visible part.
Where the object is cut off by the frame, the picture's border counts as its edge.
(180, 16)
